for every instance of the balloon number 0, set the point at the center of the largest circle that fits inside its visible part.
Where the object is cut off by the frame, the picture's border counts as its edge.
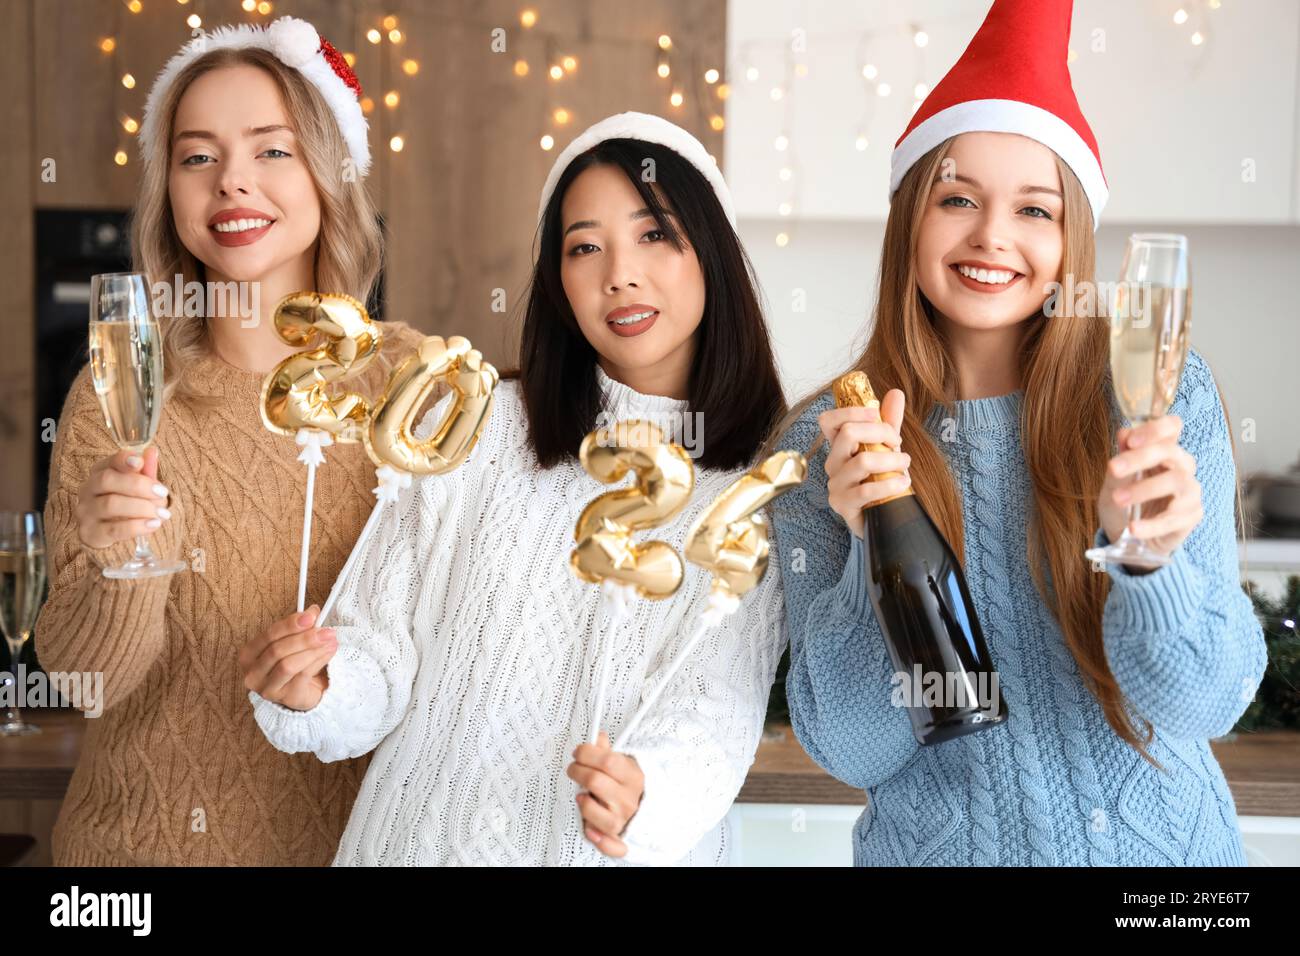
(472, 381)
(294, 393)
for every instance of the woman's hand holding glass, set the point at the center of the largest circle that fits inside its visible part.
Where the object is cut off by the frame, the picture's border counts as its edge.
(121, 499)
(1167, 473)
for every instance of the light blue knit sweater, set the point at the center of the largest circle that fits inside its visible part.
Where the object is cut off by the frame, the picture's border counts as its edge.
(1054, 784)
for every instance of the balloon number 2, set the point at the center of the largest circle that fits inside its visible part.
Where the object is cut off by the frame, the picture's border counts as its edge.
(294, 394)
(295, 398)
(665, 477)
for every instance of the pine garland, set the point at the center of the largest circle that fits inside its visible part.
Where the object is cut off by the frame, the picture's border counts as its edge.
(1277, 703)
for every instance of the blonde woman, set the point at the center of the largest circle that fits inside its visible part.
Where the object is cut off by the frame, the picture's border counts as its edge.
(999, 414)
(254, 147)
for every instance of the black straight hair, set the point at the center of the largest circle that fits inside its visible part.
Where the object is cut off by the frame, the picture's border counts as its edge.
(733, 380)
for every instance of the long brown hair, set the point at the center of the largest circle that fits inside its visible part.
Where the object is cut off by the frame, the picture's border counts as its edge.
(348, 248)
(1067, 422)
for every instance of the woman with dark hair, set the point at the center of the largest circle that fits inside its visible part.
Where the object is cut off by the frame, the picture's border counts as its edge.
(467, 651)
(729, 352)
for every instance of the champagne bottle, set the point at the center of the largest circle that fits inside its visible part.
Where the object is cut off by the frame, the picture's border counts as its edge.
(943, 672)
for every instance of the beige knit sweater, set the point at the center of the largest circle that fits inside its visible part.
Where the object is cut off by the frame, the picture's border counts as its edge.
(175, 771)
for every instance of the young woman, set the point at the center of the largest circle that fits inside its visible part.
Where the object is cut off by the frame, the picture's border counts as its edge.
(1000, 414)
(468, 649)
(175, 771)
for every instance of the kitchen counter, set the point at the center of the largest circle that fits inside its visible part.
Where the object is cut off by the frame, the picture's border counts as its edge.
(1280, 553)
(1262, 769)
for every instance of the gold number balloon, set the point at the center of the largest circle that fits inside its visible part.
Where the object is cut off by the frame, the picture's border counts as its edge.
(730, 539)
(665, 476)
(294, 394)
(455, 362)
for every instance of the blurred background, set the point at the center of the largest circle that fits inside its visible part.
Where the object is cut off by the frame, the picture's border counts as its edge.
(1195, 104)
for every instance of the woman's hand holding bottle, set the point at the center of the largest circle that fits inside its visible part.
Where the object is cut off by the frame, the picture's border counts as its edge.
(848, 468)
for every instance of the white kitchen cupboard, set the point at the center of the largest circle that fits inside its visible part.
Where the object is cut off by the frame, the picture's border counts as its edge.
(1188, 133)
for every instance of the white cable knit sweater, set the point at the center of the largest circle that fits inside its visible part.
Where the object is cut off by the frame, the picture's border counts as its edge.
(468, 652)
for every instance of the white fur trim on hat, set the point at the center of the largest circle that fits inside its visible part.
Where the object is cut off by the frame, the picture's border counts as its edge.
(649, 129)
(1005, 116)
(296, 44)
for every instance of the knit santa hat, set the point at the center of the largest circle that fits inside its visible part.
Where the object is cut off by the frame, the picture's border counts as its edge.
(647, 128)
(296, 44)
(1012, 78)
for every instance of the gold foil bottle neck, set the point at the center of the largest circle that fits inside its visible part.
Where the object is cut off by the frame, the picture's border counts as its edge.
(855, 389)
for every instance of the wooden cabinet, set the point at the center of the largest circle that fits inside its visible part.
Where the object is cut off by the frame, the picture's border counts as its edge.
(459, 200)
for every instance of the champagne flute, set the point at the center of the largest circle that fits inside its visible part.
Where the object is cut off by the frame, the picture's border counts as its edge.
(126, 364)
(1150, 319)
(22, 587)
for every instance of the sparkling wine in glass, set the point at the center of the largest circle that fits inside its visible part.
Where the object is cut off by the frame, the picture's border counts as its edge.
(1150, 319)
(126, 365)
(22, 587)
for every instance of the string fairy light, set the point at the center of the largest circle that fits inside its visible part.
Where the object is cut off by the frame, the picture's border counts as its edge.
(1198, 21)
(388, 27)
(873, 70)
(671, 63)
(110, 47)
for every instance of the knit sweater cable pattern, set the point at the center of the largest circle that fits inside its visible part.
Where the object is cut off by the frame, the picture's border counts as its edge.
(468, 653)
(1053, 785)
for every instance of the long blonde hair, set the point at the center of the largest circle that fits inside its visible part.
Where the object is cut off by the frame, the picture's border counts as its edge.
(1067, 422)
(349, 246)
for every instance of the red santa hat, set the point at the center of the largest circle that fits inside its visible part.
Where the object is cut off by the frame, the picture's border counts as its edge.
(296, 44)
(1012, 78)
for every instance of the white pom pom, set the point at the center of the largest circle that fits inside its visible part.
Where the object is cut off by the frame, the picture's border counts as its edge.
(294, 41)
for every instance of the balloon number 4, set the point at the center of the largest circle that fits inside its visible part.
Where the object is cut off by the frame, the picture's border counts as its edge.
(730, 538)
